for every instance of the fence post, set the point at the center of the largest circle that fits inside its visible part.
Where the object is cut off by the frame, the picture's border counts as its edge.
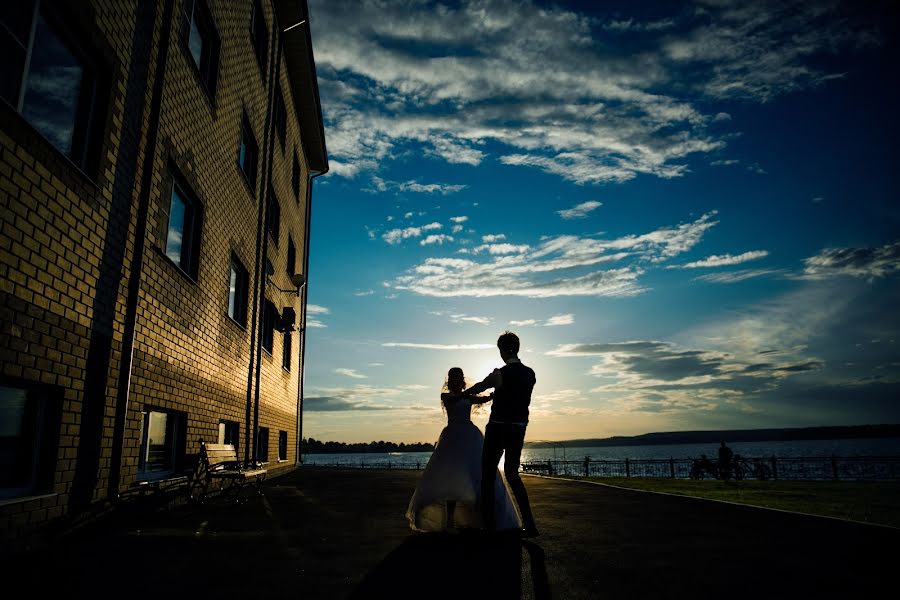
(587, 466)
(774, 468)
(627, 468)
(672, 466)
(834, 469)
(549, 467)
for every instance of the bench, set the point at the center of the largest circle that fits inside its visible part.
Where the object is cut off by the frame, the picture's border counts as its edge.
(220, 462)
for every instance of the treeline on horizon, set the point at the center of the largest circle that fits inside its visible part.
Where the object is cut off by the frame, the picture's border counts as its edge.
(314, 446)
(734, 435)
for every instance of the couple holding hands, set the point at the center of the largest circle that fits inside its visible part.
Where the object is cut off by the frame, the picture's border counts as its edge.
(461, 486)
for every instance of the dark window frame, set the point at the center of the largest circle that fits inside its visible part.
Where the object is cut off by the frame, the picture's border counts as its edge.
(282, 446)
(269, 319)
(273, 216)
(175, 437)
(286, 351)
(88, 121)
(262, 444)
(238, 314)
(295, 178)
(248, 142)
(230, 430)
(198, 12)
(192, 226)
(291, 263)
(43, 412)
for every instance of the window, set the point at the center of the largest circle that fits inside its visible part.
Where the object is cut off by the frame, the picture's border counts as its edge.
(229, 433)
(198, 33)
(29, 432)
(237, 291)
(248, 153)
(262, 444)
(280, 116)
(162, 444)
(286, 352)
(270, 315)
(49, 80)
(282, 445)
(295, 178)
(259, 35)
(183, 229)
(273, 217)
(291, 258)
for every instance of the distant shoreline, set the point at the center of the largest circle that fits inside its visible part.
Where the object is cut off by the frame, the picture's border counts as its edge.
(731, 436)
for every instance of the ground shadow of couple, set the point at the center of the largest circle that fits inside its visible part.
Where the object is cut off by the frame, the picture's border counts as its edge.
(466, 565)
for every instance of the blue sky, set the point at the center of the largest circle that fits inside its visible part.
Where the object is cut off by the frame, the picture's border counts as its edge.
(687, 211)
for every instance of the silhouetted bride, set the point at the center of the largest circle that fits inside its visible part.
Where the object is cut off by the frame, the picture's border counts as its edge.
(447, 496)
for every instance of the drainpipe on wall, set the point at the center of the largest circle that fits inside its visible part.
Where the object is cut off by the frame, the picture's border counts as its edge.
(137, 261)
(269, 140)
(300, 395)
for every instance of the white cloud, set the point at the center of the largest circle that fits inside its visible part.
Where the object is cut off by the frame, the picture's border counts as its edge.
(461, 219)
(438, 346)
(395, 236)
(737, 276)
(457, 228)
(364, 293)
(864, 263)
(627, 25)
(488, 239)
(502, 248)
(439, 238)
(558, 266)
(471, 319)
(524, 323)
(540, 85)
(555, 320)
(579, 211)
(723, 260)
(350, 373)
(312, 313)
(725, 162)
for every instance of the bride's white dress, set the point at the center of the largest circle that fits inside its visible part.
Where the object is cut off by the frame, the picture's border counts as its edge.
(454, 473)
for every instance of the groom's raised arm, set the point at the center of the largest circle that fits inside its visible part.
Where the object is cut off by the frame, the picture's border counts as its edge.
(494, 380)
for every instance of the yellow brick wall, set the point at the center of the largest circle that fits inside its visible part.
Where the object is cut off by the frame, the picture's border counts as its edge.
(64, 233)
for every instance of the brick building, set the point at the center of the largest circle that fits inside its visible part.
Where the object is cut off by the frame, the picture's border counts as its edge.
(156, 170)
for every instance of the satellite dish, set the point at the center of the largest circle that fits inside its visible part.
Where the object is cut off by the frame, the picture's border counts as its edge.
(298, 280)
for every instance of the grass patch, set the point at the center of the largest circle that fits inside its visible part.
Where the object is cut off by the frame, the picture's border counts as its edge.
(865, 501)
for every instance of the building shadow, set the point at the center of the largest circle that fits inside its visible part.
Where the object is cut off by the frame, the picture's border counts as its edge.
(465, 565)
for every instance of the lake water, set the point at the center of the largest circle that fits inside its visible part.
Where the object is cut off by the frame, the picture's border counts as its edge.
(805, 448)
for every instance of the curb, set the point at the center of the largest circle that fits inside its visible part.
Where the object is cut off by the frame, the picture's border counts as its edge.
(729, 502)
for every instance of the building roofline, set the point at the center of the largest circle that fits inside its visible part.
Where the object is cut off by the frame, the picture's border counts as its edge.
(293, 19)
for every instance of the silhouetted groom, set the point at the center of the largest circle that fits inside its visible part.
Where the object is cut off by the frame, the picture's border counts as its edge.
(505, 430)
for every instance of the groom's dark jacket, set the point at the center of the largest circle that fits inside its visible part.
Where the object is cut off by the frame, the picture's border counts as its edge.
(512, 398)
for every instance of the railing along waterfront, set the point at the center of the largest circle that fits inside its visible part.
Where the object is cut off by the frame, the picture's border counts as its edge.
(850, 468)
(875, 468)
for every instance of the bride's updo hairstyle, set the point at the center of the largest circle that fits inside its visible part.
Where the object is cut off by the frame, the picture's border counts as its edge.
(456, 380)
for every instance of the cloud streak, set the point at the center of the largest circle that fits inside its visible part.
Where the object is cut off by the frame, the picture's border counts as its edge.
(531, 86)
(559, 266)
(724, 260)
(579, 211)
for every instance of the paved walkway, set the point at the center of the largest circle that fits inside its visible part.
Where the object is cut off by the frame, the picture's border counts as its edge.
(341, 534)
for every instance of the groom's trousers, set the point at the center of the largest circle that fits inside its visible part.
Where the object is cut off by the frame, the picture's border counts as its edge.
(497, 438)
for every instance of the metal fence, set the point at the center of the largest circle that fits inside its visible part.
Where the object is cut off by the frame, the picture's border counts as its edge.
(851, 468)
(772, 468)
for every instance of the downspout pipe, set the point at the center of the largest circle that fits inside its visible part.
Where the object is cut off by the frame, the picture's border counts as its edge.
(269, 140)
(137, 262)
(300, 391)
